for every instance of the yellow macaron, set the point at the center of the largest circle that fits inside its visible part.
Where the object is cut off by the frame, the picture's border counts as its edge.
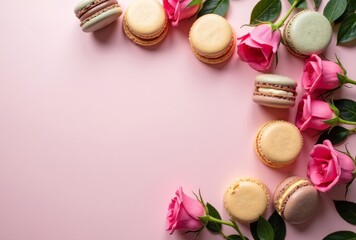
(278, 143)
(145, 22)
(246, 199)
(212, 39)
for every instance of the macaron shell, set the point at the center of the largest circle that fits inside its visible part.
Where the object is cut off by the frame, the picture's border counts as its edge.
(301, 205)
(101, 20)
(278, 143)
(308, 32)
(273, 101)
(146, 18)
(246, 199)
(276, 79)
(210, 35)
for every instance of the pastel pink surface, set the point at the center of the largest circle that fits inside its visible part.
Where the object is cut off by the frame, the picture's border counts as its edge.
(96, 133)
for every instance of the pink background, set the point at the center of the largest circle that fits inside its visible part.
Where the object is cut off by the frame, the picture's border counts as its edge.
(96, 133)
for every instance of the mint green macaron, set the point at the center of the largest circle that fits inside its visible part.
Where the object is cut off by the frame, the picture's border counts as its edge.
(96, 14)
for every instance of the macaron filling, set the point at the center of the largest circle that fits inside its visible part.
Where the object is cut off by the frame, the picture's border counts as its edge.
(97, 8)
(275, 90)
(88, 7)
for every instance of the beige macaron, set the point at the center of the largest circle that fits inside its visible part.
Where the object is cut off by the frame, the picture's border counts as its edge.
(145, 22)
(278, 143)
(212, 39)
(246, 199)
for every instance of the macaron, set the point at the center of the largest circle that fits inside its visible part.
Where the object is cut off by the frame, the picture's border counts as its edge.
(96, 14)
(274, 90)
(145, 22)
(212, 39)
(246, 199)
(296, 199)
(278, 143)
(306, 33)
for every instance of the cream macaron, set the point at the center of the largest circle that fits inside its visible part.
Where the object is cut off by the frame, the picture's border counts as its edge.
(246, 199)
(145, 22)
(274, 90)
(306, 33)
(296, 199)
(278, 143)
(212, 39)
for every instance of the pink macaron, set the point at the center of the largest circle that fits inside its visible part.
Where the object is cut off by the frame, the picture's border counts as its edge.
(296, 199)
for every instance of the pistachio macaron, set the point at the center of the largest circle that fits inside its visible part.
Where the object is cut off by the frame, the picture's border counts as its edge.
(274, 90)
(212, 39)
(296, 199)
(278, 143)
(306, 33)
(246, 199)
(145, 22)
(96, 14)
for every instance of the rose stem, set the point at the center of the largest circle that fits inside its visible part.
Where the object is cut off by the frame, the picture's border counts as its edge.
(281, 22)
(227, 223)
(346, 122)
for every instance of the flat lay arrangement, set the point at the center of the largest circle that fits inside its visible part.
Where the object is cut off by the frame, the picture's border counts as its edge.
(178, 119)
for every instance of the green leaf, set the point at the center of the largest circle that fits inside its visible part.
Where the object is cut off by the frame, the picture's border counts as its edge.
(347, 109)
(347, 30)
(334, 9)
(194, 2)
(212, 226)
(301, 5)
(350, 9)
(336, 135)
(218, 7)
(253, 230)
(278, 225)
(264, 229)
(341, 235)
(265, 11)
(347, 210)
(317, 4)
(235, 237)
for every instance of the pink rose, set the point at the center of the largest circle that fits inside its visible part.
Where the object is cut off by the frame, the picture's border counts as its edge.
(258, 47)
(178, 10)
(183, 213)
(312, 113)
(320, 74)
(328, 167)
